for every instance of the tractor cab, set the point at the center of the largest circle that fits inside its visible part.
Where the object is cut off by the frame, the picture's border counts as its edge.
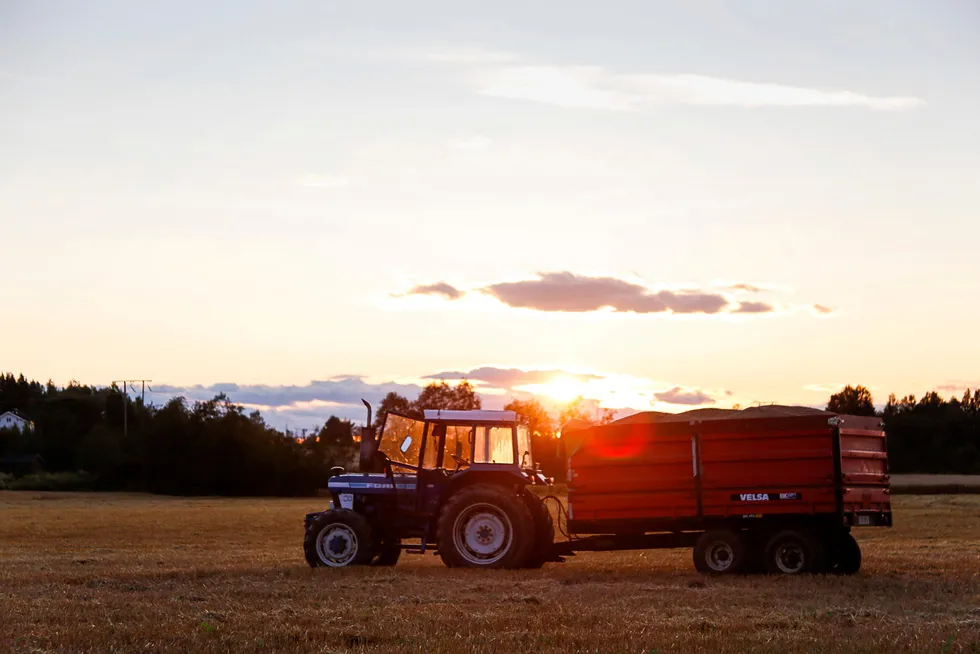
(457, 440)
(421, 479)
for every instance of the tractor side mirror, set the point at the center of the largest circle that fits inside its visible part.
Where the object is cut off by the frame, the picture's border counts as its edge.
(407, 443)
(524, 458)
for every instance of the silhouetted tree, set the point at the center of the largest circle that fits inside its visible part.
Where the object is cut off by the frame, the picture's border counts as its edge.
(852, 400)
(440, 395)
(544, 445)
(578, 409)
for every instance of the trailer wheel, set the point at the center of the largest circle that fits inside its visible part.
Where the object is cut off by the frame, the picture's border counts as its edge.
(846, 556)
(544, 531)
(719, 552)
(338, 538)
(389, 551)
(792, 552)
(486, 526)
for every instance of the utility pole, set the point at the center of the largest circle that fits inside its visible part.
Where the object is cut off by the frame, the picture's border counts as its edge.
(125, 383)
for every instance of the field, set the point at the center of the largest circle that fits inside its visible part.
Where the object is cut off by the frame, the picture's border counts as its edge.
(107, 572)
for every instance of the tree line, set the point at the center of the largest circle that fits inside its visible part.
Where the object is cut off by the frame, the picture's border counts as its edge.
(927, 435)
(215, 447)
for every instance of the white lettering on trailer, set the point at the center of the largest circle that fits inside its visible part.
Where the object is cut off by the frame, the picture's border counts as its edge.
(754, 497)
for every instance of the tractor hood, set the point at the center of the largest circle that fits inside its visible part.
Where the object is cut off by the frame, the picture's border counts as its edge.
(370, 483)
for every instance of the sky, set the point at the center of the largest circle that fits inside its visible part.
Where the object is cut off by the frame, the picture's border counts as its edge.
(656, 205)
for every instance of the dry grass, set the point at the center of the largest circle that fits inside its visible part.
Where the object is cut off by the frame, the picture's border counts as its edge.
(132, 573)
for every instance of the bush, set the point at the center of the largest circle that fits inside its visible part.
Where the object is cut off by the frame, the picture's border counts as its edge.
(49, 481)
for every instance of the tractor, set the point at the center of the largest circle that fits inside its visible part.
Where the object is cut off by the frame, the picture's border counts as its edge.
(455, 481)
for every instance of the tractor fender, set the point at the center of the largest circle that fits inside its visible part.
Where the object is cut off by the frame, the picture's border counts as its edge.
(504, 475)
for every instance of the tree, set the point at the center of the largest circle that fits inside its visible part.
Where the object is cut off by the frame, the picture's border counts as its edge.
(100, 452)
(587, 411)
(544, 445)
(336, 433)
(392, 402)
(852, 400)
(440, 395)
(539, 422)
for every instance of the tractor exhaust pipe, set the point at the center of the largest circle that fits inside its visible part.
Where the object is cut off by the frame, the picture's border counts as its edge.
(368, 405)
(368, 461)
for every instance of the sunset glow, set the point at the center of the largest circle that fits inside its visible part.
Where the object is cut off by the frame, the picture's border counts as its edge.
(670, 214)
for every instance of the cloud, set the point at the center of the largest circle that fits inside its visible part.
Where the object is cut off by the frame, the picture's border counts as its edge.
(595, 87)
(679, 395)
(572, 293)
(477, 142)
(473, 55)
(448, 291)
(564, 86)
(955, 386)
(822, 310)
(824, 388)
(336, 392)
(323, 181)
(510, 377)
(754, 307)
(565, 291)
(747, 288)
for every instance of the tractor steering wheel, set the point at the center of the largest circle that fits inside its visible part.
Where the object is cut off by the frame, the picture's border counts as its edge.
(460, 461)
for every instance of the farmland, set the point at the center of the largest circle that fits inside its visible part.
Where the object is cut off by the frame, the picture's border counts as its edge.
(120, 572)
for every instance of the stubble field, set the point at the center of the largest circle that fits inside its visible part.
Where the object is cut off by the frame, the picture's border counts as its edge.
(113, 572)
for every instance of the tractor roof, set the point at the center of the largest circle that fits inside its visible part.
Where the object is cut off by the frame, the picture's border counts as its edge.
(438, 415)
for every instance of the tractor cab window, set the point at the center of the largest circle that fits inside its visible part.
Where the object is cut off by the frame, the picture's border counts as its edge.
(459, 440)
(524, 446)
(401, 439)
(430, 458)
(494, 445)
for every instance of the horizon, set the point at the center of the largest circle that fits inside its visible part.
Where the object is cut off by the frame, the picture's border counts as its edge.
(652, 206)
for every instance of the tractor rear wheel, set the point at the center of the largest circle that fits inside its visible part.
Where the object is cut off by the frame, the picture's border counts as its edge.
(544, 531)
(338, 538)
(486, 526)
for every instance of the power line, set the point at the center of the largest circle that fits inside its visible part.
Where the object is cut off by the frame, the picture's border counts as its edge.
(125, 382)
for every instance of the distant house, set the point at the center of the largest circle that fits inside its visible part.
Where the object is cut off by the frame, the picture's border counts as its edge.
(14, 420)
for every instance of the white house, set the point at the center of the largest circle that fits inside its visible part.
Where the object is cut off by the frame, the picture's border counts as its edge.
(12, 420)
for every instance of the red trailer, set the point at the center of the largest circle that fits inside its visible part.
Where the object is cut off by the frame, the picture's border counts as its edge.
(749, 491)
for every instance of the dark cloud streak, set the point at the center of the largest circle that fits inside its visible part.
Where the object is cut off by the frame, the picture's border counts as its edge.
(568, 292)
(678, 395)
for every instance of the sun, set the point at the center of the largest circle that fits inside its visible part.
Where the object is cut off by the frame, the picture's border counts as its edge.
(560, 389)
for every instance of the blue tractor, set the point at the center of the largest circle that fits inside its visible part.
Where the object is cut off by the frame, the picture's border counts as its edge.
(455, 481)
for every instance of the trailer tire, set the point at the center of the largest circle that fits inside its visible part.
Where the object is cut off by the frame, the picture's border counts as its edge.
(720, 551)
(389, 551)
(338, 538)
(846, 556)
(544, 532)
(793, 552)
(486, 526)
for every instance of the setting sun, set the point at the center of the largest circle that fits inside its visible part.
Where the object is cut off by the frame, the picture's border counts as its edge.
(560, 389)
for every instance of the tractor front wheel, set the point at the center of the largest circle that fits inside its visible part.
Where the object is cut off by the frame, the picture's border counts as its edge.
(338, 538)
(486, 526)
(388, 552)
